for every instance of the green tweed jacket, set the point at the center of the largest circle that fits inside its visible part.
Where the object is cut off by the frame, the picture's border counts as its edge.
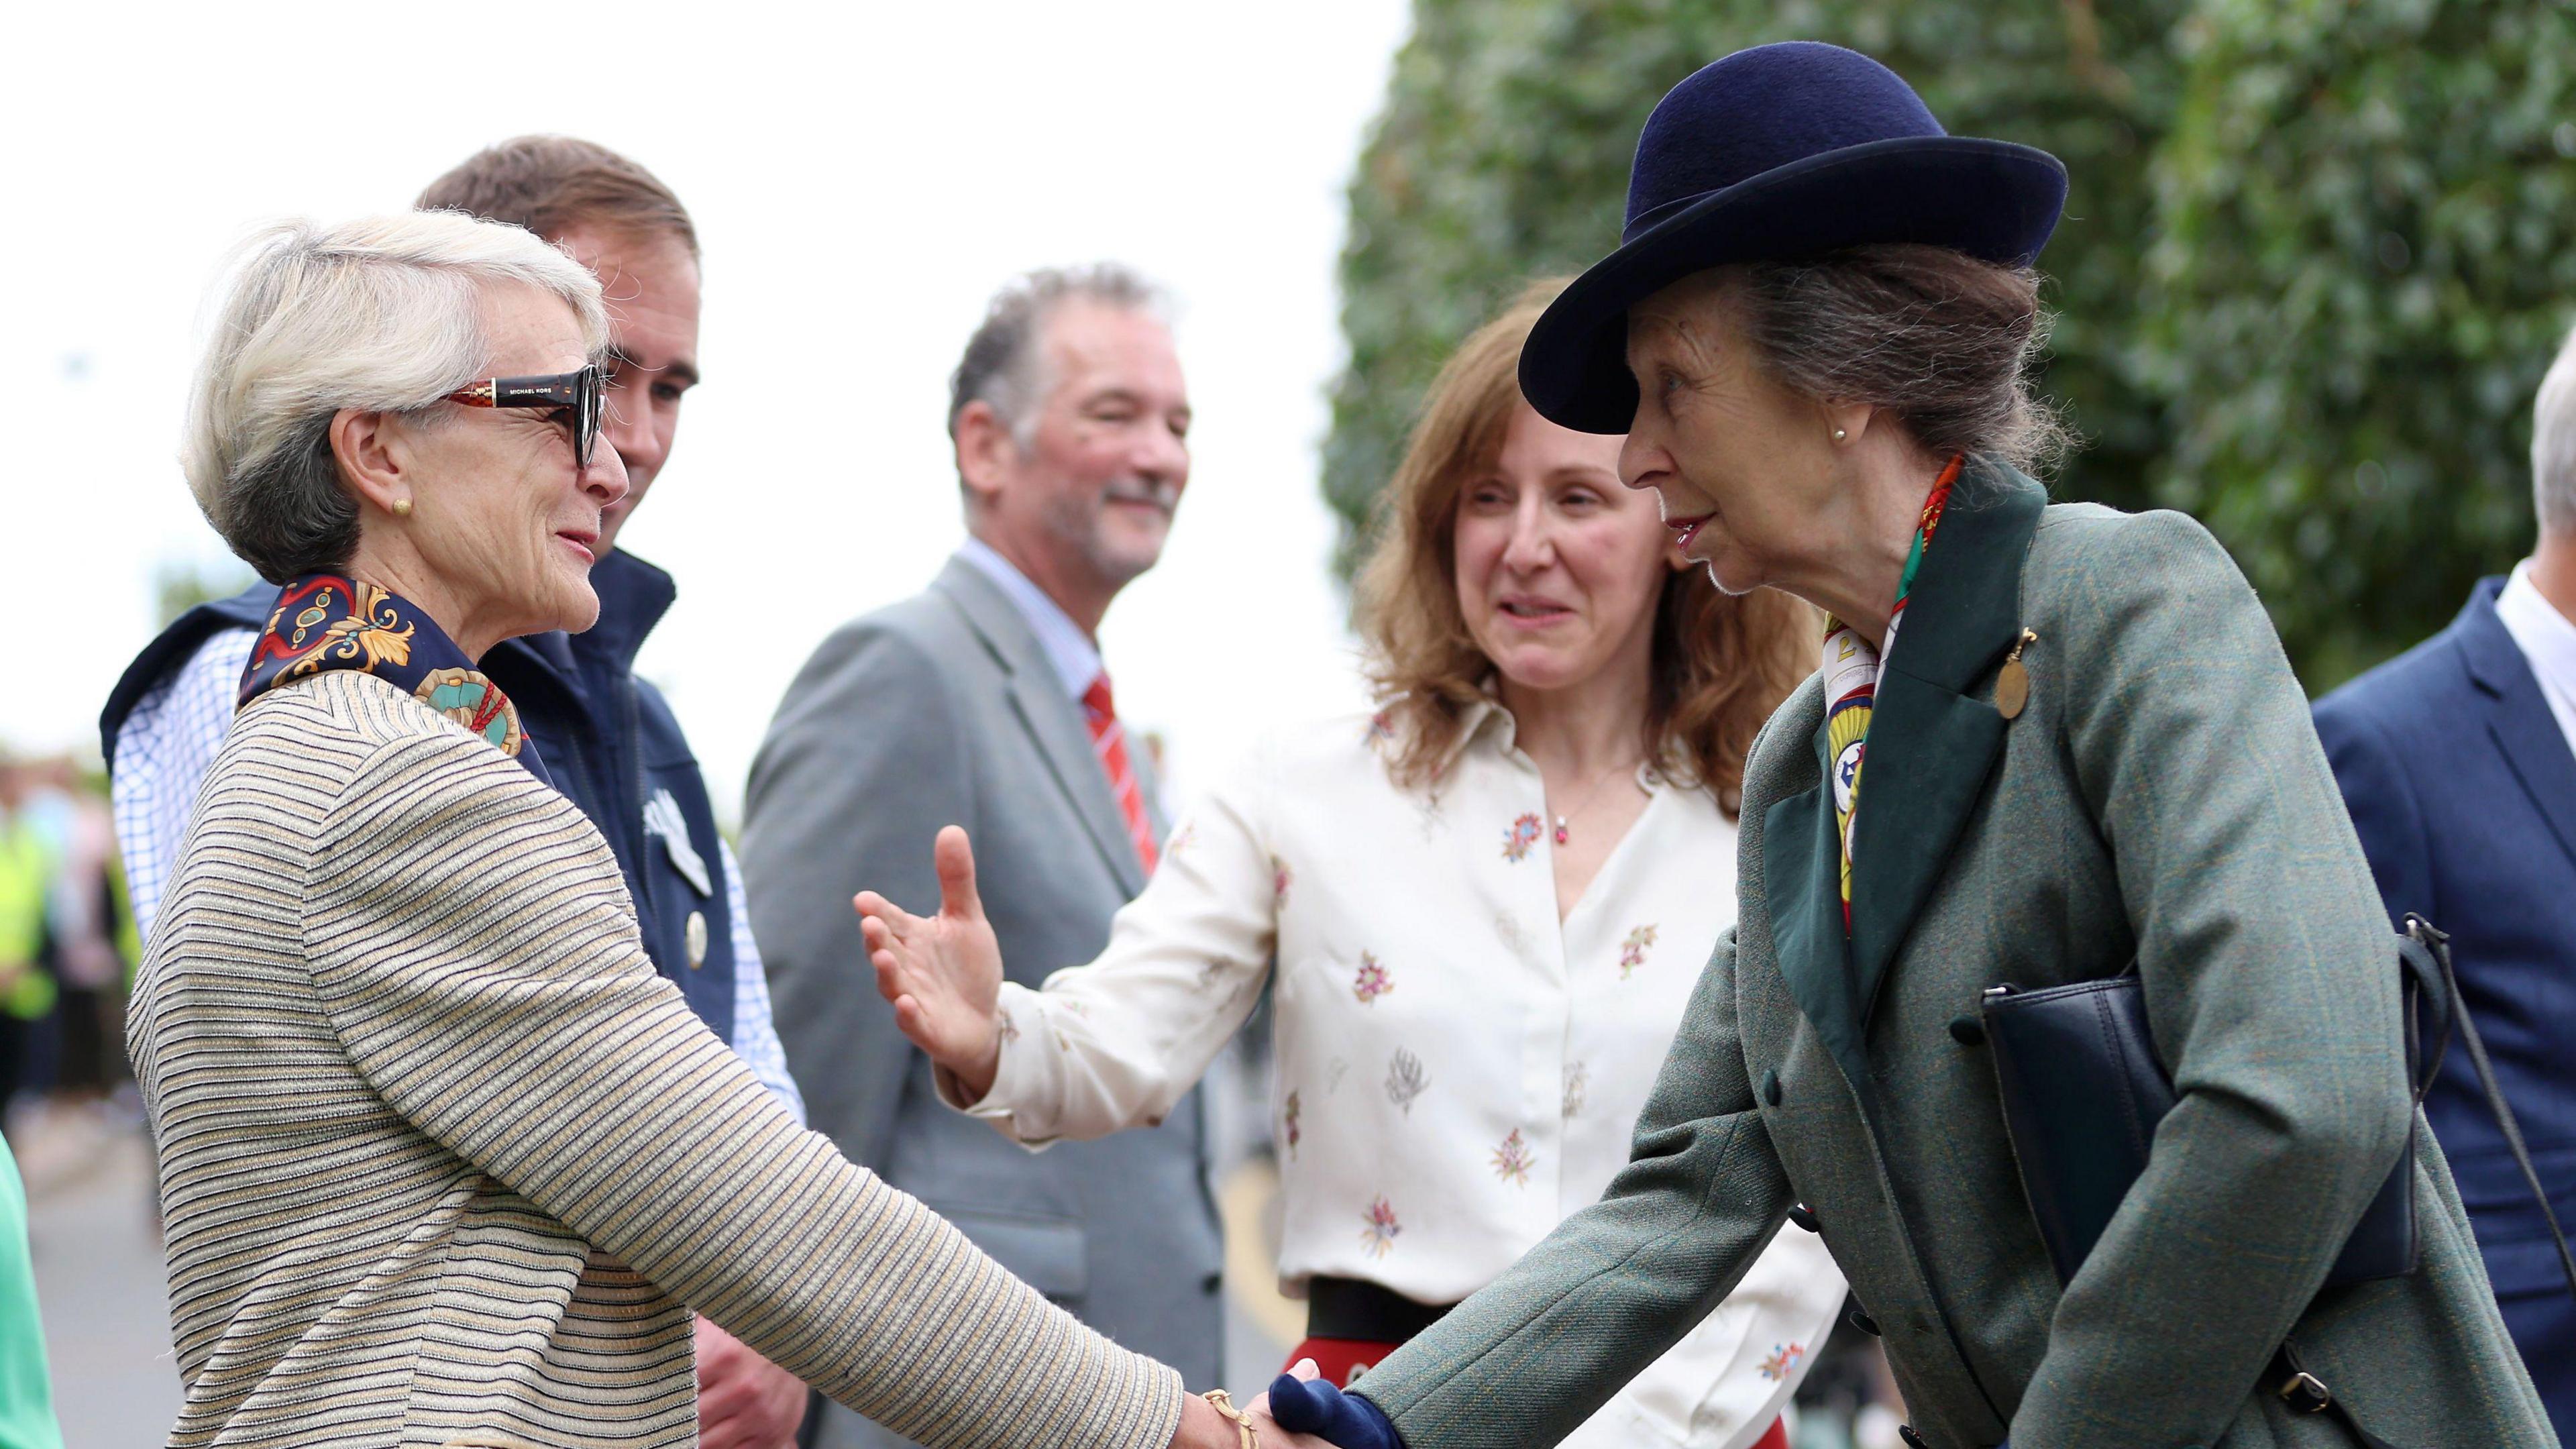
(2162, 798)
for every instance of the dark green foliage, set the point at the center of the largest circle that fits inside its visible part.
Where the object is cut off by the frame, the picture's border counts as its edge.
(2368, 259)
(2246, 366)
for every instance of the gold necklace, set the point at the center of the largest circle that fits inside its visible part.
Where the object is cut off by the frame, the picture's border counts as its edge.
(1598, 783)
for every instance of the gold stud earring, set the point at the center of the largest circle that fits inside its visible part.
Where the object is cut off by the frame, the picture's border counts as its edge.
(402, 508)
(1839, 435)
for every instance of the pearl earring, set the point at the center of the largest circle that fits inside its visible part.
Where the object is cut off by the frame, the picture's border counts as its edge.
(1839, 435)
(402, 508)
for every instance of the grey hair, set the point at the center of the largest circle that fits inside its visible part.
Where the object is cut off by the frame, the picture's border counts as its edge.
(382, 314)
(1941, 339)
(2553, 444)
(1003, 367)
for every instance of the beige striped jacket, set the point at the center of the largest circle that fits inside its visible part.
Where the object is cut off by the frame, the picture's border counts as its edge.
(444, 1161)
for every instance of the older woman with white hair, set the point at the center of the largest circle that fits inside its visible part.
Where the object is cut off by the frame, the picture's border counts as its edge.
(417, 1085)
(2047, 745)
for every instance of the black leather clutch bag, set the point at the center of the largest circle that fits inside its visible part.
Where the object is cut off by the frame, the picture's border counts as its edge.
(2083, 1089)
(2082, 1092)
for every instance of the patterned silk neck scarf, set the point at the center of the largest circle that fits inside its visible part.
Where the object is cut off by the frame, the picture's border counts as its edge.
(1851, 679)
(326, 621)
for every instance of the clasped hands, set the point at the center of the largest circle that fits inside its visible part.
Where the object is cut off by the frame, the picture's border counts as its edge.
(1203, 1426)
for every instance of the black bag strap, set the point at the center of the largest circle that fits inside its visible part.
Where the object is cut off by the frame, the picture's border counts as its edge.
(2425, 952)
(2428, 1000)
(2438, 946)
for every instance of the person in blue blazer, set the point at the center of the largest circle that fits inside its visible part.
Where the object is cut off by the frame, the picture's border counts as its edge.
(2458, 760)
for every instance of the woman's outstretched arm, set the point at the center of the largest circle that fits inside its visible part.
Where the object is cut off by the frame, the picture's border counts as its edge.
(472, 945)
(1105, 1046)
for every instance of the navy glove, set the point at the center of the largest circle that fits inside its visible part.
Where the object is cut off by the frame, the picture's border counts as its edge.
(1312, 1406)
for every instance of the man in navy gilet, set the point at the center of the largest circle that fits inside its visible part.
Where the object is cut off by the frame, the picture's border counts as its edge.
(2458, 760)
(608, 738)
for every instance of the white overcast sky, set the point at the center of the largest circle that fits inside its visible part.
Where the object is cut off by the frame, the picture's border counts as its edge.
(862, 177)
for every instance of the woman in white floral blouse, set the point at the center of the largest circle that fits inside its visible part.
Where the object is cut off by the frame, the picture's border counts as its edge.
(1482, 911)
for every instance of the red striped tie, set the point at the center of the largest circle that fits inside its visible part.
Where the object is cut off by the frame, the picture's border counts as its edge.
(1109, 741)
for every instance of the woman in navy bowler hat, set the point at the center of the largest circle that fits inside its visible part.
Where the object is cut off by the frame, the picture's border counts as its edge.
(2087, 756)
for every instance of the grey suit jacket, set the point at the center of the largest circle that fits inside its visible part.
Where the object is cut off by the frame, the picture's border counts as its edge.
(941, 710)
(2162, 800)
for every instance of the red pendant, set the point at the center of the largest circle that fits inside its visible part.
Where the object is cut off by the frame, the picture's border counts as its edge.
(1560, 830)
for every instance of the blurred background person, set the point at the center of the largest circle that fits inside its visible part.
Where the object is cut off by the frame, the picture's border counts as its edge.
(2046, 745)
(1481, 910)
(26, 1387)
(443, 1154)
(984, 701)
(27, 989)
(90, 943)
(613, 744)
(2458, 761)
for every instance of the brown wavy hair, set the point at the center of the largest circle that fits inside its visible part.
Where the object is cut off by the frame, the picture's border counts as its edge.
(1720, 664)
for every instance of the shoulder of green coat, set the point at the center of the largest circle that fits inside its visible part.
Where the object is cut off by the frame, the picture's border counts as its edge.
(2092, 567)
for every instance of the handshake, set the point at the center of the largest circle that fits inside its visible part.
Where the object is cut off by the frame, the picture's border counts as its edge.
(1313, 1413)
(943, 975)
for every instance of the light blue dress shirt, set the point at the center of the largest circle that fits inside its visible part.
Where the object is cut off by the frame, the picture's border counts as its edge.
(1075, 657)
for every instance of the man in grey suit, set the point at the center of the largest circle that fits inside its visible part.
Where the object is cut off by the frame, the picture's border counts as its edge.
(982, 702)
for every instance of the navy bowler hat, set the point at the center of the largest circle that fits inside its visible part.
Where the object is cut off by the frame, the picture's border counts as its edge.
(1777, 152)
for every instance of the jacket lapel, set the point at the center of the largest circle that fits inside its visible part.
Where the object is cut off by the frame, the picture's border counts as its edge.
(1802, 892)
(1932, 744)
(1052, 721)
(2517, 716)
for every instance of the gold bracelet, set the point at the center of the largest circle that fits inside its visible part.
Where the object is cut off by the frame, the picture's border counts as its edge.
(1223, 1403)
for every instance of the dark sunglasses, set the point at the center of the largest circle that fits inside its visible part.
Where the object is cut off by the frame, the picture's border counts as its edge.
(580, 393)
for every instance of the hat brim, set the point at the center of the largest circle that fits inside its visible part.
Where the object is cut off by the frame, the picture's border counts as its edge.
(1994, 200)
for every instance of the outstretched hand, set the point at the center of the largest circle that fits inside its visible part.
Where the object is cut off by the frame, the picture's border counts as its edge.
(944, 972)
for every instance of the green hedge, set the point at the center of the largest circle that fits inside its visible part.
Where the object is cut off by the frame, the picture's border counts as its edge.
(2313, 261)
(2365, 261)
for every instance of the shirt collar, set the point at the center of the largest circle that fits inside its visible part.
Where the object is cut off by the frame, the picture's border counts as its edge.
(1075, 657)
(1486, 723)
(1485, 716)
(1477, 717)
(2546, 637)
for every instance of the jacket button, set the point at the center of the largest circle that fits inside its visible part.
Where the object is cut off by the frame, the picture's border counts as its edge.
(1799, 1214)
(1906, 1433)
(697, 940)
(1771, 1086)
(1969, 1030)
(1864, 1323)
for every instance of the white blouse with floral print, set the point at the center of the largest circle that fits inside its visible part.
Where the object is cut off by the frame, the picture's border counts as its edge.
(1456, 1072)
